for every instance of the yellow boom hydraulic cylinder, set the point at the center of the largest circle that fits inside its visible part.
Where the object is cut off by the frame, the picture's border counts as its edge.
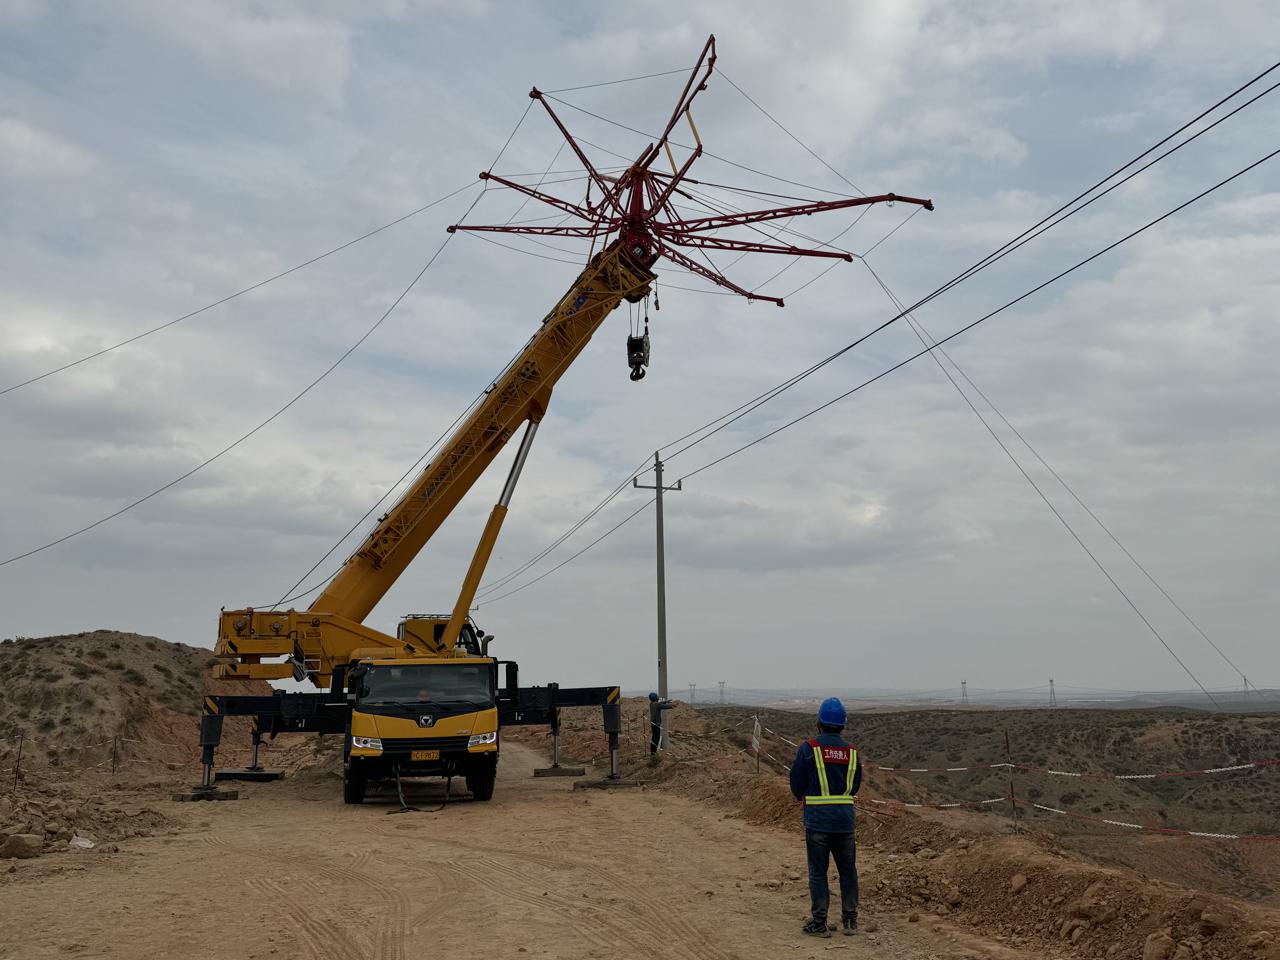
(484, 548)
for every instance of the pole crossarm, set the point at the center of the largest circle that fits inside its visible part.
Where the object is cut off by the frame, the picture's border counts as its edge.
(636, 208)
(750, 246)
(799, 210)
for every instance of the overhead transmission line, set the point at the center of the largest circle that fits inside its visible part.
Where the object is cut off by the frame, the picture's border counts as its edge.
(294, 399)
(934, 351)
(1046, 223)
(774, 391)
(987, 316)
(232, 296)
(921, 332)
(927, 339)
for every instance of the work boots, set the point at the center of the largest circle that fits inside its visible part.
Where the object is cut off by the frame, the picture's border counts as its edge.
(816, 928)
(850, 924)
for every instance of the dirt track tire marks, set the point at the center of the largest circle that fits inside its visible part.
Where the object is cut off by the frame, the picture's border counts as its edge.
(322, 938)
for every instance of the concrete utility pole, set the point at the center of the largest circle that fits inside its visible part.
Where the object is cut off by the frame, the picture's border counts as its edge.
(1053, 697)
(721, 682)
(659, 489)
(693, 693)
(964, 693)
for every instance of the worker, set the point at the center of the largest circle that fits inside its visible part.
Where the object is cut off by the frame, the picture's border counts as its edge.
(825, 776)
(656, 706)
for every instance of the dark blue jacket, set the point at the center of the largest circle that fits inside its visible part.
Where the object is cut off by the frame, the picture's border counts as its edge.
(804, 782)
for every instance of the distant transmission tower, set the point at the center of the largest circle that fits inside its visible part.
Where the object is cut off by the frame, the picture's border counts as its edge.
(721, 682)
(1053, 697)
(693, 693)
(964, 693)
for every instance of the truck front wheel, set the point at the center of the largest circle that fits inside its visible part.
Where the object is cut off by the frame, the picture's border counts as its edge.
(354, 780)
(481, 777)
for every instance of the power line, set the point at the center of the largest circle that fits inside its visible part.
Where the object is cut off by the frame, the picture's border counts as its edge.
(988, 316)
(1026, 236)
(738, 412)
(922, 332)
(952, 336)
(238, 293)
(627, 519)
(244, 436)
(930, 348)
(296, 397)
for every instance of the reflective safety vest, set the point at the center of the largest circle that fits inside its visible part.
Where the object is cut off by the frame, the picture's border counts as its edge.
(846, 757)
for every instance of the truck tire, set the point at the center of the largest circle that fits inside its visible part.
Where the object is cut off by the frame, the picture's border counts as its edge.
(354, 781)
(481, 777)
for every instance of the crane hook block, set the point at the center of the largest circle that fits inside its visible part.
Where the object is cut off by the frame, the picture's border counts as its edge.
(638, 355)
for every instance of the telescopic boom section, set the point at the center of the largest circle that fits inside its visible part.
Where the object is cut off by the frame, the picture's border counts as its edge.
(636, 206)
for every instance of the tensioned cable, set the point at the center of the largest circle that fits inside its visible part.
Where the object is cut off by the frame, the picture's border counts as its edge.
(610, 83)
(988, 316)
(971, 325)
(913, 323)
(575, 556)
(245, 436)
(981, 264)
(684, 146)
(296, 397)
(1031, 233)
(933, 353)
(447, 433)
(803, 145)
(238, 293)
(922, 332)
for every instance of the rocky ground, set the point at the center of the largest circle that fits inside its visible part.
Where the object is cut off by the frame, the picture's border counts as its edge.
(706, 848)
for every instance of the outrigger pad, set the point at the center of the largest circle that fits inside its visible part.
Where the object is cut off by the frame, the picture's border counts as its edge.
(560, 772)
(261, 775)
(206, 793)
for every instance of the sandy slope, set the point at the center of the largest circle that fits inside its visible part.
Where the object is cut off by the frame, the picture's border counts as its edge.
(541, 871)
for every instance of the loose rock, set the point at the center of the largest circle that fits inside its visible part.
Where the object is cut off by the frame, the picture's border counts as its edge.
(22, 846)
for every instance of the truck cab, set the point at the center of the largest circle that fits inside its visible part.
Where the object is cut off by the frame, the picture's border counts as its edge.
(422, 717)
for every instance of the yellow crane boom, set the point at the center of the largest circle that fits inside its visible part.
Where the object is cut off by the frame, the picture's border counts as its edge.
(331, 631)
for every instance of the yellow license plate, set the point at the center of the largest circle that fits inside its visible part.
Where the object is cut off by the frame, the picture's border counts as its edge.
(425, 755)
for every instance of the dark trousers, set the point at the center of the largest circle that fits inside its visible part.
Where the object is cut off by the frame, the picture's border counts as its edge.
(841, 848)
(655, 736)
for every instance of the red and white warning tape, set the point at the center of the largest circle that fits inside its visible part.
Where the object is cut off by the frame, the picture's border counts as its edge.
(1166, 831)
(1083, 775)
(936, 806)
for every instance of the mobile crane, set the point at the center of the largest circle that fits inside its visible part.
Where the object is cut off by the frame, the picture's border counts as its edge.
(429, 700)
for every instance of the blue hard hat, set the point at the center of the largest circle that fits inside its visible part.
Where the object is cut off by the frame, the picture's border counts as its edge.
(831, 712)
(653, 696)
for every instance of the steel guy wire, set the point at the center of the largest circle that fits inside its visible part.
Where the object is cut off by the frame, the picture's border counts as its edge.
(610, 83)
(929, 346)
(802, 144)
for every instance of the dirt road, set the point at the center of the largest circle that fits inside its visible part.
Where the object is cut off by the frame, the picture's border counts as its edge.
(541, 871)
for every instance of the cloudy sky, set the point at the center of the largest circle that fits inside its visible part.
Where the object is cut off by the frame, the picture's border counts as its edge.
(155, 157)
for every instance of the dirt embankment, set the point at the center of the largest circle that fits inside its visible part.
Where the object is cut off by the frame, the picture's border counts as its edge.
(1035, 889)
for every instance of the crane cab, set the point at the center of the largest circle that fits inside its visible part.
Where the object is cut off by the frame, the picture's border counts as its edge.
(422, 717)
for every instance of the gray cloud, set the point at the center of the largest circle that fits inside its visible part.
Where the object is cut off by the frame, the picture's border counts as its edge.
(154, 158)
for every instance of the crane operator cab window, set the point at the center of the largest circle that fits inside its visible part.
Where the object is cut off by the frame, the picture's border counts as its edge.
(468, 685)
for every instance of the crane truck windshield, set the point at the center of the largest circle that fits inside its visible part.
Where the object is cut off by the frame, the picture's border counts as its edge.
(442, 684)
